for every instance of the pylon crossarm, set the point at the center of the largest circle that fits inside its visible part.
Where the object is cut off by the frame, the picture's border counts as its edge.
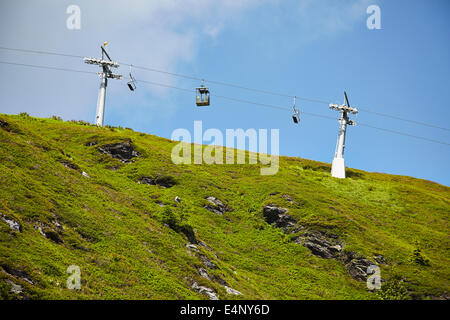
(343, 107)
(101, 62)
(111, 75)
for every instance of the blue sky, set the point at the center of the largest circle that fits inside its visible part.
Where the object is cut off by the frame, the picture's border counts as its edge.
(313, 49)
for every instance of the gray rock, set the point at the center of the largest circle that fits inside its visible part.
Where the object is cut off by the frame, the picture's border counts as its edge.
(15, 226)
(16, 273)
(207, 262)
(214, 210)
(288, 198)
(357, 268)
(215, 201)
(49, 234)
(209, 248)
(272, 213)
(85, 174)
(217, 206)
(321, 244)
(192, 247)
(206, 291)
(163, 181)
(40, 231)
(15, 288)
(280, 217)
(232, 291)
(122, 150)
(335, 249)
(53, 236)
(4, 124)
(204, 273)
(146, 180)
(57, 224)
(380, 259)
(318, 250)
(91, 143)
(69, 165)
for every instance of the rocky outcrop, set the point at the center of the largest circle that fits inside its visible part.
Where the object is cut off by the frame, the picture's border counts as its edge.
(123, 151)
(8, 127)
(207, 262)
(188, 232)
(204, 290)
(84, 174)
(15, 288)
(321, 244)
(217, 206)
(159, 180)
(15, 226)
(69, 165)
(287, 198)
(91, 143)
(53, 236)
(192, 247)
(279, 217)
(380, 259)
(232, 291)
(49, 233)
(357, 268)
(22, 275)
(208, 248)
(3, 124)
(204, 273)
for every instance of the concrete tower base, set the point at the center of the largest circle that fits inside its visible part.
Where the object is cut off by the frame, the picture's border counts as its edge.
(338, 168)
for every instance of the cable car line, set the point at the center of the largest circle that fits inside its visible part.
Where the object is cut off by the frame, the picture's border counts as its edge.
(46, 67)
(403, 133)
(42, 52)
(227, 98)
(233, 86)
(406, 120)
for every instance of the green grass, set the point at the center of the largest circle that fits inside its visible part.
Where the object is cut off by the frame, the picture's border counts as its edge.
(129, 247)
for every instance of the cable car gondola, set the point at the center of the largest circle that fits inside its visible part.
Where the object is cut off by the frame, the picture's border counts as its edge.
(202, 97)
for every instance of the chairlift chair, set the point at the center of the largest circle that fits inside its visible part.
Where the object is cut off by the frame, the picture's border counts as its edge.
(131, 84)
(202, 98)
(295, 116)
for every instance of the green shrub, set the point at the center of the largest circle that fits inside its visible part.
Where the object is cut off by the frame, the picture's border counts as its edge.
(177, 224)
(394, 289)
(4, 291)
(418, 257)
(169, 218)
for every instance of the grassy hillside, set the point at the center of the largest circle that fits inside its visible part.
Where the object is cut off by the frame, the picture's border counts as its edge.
(135, 241)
